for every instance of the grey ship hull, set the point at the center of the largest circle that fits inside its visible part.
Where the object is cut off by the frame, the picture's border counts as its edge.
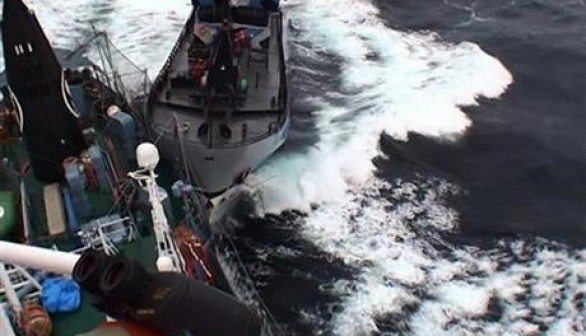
(221, 134)
(217, 169)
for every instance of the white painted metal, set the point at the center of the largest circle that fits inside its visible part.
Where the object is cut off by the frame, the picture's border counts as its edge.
(147, 156)
(11, 296)
(5, 326)
(37, 258)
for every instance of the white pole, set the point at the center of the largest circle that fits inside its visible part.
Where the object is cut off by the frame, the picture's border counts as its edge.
(10, 293)
(37, 258)
(169, 259)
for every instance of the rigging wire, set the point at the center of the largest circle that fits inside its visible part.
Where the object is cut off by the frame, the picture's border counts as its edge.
(240, 264)
(264, 310)
(162, 132)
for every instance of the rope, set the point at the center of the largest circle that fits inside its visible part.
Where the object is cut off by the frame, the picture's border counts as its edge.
(162, 132)
(240, 265)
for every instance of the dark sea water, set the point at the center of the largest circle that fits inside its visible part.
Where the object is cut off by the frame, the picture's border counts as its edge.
(523, 162)
(434, 180)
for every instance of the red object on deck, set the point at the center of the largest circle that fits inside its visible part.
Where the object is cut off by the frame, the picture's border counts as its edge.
(198, 69)
(239, 40)
(193, 252)
(131, 328)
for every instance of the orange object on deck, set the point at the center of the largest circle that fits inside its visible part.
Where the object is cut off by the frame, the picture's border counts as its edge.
(193, 253)
(35, 320)
(198, 70)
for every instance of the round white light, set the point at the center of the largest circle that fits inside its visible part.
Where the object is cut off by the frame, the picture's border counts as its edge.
(113, 109)
(164, 264)
(2, 212)
(147, 155)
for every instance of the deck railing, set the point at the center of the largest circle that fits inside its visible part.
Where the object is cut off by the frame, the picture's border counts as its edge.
(161, 77)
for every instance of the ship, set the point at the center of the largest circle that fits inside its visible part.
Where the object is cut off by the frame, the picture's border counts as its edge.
(97, 236)
(222, 95)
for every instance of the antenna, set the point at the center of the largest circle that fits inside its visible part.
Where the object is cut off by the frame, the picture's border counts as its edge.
(148, 158)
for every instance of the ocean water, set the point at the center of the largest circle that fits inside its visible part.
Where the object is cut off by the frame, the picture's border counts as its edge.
(434, 182)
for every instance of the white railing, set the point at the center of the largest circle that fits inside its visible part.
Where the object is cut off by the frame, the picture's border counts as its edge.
(105, 235)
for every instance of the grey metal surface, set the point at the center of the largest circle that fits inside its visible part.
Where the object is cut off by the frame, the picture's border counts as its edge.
(216, 169)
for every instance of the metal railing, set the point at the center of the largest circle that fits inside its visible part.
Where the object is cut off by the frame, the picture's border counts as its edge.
(105, 235)
(165, 69)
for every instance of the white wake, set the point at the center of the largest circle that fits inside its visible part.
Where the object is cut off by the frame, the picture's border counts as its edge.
(412, 277)
(391, 82)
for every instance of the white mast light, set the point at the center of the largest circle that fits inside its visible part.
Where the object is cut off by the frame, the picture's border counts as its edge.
(147, 156)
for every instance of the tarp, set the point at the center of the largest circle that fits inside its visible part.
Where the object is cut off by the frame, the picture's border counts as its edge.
(60, 295)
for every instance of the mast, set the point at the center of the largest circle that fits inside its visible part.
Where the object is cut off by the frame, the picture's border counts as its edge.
(148, 157)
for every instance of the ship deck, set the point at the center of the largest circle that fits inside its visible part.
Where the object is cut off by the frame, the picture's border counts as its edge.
(204, 116)
(261, 68)
(142, 249)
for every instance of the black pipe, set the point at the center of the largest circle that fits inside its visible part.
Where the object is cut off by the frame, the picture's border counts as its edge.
(167, 302)
(87, 273)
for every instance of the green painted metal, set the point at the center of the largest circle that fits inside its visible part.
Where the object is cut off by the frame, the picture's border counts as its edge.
(7, 213)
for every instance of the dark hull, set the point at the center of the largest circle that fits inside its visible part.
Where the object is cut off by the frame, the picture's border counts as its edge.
(36, 82)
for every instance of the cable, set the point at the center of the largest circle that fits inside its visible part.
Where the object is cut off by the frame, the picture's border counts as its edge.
(240, 264)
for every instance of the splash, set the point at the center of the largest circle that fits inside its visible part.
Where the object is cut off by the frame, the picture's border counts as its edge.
(389, 81)
(411, 279)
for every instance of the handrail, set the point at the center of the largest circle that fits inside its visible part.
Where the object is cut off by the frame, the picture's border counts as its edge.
(284, 87)
(165, 69)
(232, 144)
